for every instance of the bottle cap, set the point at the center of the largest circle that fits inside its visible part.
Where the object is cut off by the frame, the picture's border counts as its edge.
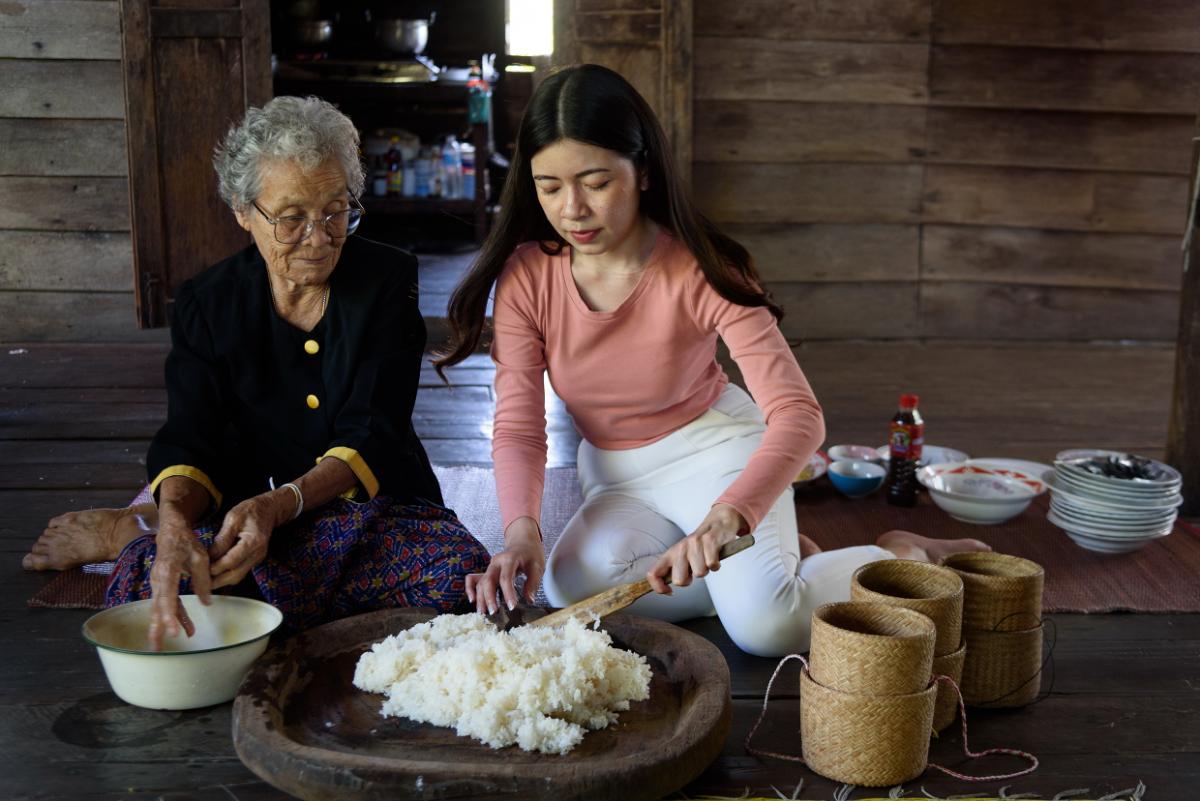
(908, 401)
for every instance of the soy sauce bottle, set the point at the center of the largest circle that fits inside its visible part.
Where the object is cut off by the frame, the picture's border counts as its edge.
(905, 438)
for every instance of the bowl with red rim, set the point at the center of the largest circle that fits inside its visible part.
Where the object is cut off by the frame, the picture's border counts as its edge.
(813, 469)
(976, 494)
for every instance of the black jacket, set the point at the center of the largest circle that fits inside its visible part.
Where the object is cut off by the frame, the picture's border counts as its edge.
(240, 382)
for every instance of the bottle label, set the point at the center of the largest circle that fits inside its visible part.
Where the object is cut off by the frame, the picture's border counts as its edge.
(906, 440)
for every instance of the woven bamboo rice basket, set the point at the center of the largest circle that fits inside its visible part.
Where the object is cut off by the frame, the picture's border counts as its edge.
(863, 647)
(934, 591)
(1000, 592)
(870, 740)
(945, 709)
(1002, 668)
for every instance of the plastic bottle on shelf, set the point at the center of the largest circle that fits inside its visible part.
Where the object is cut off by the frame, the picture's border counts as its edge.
(395, 169)
(437, 172)
(467, 155)
(409, 187)
(479, 97)
(452, 172)
(423, 178)
(906, 436)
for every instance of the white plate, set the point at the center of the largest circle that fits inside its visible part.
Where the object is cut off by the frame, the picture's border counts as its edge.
(1107, 503)
(930, 454)
(1086, 481)
(1097, 533)
(1171, 476)
(1114, 528)
(1114, 521)
(1105, 546)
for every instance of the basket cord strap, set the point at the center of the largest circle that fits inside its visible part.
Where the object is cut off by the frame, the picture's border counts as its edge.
(766, 699)
(962, 709)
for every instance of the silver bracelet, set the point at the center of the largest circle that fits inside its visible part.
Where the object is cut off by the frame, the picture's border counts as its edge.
(299, 498)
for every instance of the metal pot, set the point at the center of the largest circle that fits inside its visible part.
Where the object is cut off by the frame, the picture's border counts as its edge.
(402, 36)
(312, 32)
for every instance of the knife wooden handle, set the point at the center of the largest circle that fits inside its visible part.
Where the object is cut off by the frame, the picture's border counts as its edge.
(621, 596)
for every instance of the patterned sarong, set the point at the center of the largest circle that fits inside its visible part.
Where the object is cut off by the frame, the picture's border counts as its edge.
(340, 560)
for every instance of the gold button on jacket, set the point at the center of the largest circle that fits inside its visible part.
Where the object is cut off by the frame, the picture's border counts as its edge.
(311, 347)
(313, 401)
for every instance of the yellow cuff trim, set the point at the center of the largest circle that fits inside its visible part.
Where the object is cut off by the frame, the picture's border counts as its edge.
(359, 465)
(187, 471)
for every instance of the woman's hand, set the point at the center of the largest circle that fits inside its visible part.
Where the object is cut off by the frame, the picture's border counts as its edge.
(177, 550)
(523, 554)
(241, 544)
(699, 552)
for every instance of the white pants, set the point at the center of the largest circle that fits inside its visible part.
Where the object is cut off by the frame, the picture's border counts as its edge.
(639, 502)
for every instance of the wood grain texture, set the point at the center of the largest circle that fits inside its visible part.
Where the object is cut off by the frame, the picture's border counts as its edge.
(68, 260)
(814, 20)
(1014, 311)
(69, 316)
(1078, 80)
(77, 89)
(64, 204)
(62, 147)
(838, 72)
(760, 131)
(66, 29)
(1147, 143)
(641, 66)
(1167, 25)
(874, 310)
(623, 27)
(1054, 258)
(831, 252)
(1057, 199)
(838, 193)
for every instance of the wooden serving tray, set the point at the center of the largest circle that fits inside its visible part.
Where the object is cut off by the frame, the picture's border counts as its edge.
(300, 724)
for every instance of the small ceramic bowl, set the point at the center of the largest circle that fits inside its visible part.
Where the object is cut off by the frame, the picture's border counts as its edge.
(817, 464)
(976, 495)
(856, 478)
(846, 453)
(190, 672)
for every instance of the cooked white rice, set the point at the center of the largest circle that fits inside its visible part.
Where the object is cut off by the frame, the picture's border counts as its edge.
(535, 687)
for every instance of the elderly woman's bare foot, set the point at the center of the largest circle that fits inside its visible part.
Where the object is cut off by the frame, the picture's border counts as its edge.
(907, 545)
(93, 535)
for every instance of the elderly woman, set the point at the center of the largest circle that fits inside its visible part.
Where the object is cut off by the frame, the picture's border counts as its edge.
(288, 463)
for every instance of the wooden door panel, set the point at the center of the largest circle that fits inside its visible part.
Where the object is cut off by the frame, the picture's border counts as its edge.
(192, 68)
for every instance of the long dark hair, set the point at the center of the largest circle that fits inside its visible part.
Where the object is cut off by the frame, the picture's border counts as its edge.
(594, 105)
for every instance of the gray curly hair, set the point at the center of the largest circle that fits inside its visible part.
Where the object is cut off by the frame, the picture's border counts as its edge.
(307, 130)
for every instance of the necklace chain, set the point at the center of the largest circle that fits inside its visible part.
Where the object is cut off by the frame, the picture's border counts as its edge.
(324, 299)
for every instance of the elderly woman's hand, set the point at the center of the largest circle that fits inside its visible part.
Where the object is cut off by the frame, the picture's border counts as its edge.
(699, 552)
(241, 544)
(177, 551)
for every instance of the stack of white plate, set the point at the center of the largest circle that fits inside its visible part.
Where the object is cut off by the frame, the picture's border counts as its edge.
(1112, 502)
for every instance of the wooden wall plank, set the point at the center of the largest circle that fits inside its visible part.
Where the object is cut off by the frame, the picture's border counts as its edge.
(1166, 25)
(838, 72)
(789, 252)
(71, 317)
(1060, 199)
(837, 20)
(641, 66)
(1058, 258)
(610, 6)
(1155, 143)
(1011, 311)
(838, 193)
(848, 310)
(69, 29)
(628, 27)
(62, 147)
(77, 89)
(71, 260)
(64, 204)
(772, 131)
(1082, 80)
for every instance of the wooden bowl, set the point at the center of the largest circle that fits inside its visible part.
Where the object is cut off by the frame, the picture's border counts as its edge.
(301, 725)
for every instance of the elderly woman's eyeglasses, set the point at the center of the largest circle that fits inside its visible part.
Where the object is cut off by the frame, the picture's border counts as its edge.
(297, 228)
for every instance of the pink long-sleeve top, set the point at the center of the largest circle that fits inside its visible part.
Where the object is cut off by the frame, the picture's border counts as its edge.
(633, 375)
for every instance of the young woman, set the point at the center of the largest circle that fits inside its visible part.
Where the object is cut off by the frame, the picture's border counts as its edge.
(611, 283)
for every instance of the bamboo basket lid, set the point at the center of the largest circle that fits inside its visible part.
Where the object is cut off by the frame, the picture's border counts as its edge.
(864, 647)
(934, 591)
(1000, 592)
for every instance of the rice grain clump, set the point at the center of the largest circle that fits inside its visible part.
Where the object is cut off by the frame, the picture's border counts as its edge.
(535, 687)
